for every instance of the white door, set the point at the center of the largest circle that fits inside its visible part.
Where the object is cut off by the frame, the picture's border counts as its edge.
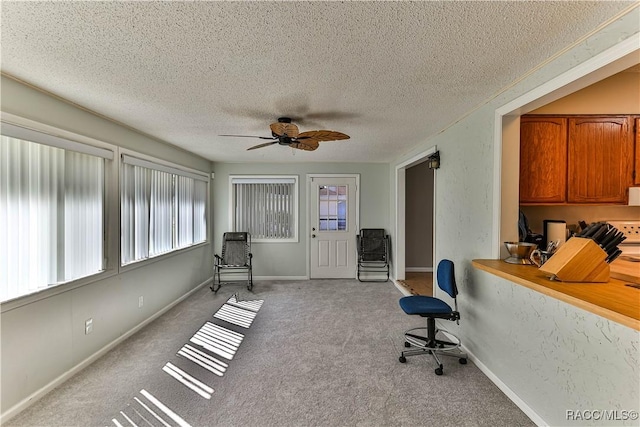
(333, 226)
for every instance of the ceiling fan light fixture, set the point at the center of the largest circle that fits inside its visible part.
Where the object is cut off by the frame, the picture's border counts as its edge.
(283, 132)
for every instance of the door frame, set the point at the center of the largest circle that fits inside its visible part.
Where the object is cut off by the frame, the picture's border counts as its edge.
(309, 177)
(399, 250)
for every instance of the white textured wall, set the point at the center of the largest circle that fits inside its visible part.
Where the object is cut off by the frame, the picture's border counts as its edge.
(45, 339)
(554, 356)
(551, 355)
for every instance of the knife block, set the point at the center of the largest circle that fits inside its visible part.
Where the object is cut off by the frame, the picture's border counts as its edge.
(578, 260)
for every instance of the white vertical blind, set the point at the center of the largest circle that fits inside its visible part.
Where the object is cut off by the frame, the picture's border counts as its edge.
(51, 216)
(265, 207)
(161, 239)
(162, 209)
(83, 215)
(199, 212)
(185, 193)
(136, 194)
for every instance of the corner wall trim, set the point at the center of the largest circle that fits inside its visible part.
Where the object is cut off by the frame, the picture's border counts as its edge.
(38, 394)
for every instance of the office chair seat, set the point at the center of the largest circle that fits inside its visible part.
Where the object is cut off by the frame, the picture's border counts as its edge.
(420, 305)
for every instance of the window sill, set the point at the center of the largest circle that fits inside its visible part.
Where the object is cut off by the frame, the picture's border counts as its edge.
(52, 291)
(147, 261)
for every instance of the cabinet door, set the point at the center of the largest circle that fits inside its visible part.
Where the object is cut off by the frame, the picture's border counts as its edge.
(543, 159)
(636, 176)
(600, 159)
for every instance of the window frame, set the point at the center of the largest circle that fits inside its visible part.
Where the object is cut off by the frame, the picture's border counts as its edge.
(268, 179)
(165, 166)
(33, 131)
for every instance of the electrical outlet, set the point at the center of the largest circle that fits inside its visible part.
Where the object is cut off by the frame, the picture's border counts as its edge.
(140, 301)
(88, 326)
(631, 230)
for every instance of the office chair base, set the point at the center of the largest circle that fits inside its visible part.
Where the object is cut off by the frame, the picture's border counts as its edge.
(423, 344)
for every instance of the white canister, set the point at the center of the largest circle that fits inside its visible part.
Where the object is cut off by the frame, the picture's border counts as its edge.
(555, 231)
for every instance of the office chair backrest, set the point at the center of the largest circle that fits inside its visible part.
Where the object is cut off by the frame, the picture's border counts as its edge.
(235, 248)
(446, 278)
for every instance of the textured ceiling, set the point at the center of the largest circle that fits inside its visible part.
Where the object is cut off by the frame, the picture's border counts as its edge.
(389, 74)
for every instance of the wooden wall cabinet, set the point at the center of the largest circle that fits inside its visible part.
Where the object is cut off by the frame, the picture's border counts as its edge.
(601, 151)
(543, 159)
(578, 159)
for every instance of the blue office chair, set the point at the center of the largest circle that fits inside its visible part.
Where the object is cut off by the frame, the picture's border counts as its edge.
(434, 342)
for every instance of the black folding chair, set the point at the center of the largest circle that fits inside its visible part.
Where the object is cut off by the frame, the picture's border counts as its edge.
(373, 253)
(235, 260)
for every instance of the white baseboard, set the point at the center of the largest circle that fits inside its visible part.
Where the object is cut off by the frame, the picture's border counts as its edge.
(280, 278)
(35, 396)
(506, 390)
(401, 288)
(419, 269)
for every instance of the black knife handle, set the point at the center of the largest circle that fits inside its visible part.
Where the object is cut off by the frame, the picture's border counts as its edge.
(597, 236)
(613, 256)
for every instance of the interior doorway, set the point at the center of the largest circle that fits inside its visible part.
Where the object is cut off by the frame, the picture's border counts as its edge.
(419, 229)
(405, 171)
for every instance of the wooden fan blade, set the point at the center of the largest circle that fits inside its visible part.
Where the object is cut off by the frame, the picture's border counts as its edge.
(266, 144)
(281, 128)
(250, 136)
(307, 145)
(323, 135)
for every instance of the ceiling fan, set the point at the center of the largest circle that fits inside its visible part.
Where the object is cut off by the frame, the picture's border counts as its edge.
(286, 133)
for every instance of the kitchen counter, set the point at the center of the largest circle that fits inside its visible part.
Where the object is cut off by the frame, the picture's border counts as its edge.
(612, 300)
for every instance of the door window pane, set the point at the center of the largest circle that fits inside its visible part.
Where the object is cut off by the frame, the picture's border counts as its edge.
(332, 205)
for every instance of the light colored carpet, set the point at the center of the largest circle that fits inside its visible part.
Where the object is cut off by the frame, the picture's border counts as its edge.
(318, 353)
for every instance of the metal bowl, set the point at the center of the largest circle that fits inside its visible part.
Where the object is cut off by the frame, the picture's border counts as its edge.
(519, 252)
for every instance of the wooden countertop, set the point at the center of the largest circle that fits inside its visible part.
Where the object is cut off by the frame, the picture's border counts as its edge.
(612, 300)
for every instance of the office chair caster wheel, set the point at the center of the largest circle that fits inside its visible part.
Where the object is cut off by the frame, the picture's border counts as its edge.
(439, 371)
(462, 361)
(406, 344)
(402, 359)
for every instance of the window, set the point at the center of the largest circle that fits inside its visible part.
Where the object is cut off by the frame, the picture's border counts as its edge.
(163, 209)
(332, 205)
(266, 207)
(51, 211)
